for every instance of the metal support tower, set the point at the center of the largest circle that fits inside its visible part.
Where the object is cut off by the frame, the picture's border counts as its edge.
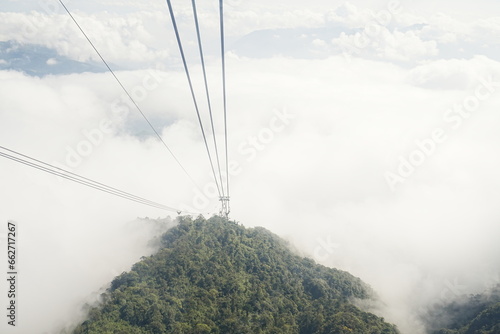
(225, 209)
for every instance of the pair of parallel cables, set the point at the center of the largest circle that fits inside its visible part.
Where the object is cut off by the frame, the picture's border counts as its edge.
(65, 174)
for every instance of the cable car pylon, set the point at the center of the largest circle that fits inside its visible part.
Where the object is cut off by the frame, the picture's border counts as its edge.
(225, 209)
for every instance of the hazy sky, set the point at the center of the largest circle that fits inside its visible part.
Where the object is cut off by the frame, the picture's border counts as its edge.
(365, 132)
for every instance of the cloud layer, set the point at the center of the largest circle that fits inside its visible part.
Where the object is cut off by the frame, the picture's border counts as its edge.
(312, 142)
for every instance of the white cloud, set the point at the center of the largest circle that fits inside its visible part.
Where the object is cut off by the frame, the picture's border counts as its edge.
(51, 61)
(404, 46)
(319, 43)
(453, 73)
(321, 174)
(387, 45)
(120, 40)
(350, 16)
(448, 30)
(351, 123)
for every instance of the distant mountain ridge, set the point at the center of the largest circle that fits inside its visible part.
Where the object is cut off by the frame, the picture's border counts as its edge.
(37, 60)
(213, 276)
(474, 314)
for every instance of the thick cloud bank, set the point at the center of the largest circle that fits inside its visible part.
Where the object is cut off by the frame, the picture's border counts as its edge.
(375, 151)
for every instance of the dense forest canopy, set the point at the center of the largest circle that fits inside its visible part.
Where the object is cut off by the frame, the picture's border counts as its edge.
(474, 314)
(214, 276)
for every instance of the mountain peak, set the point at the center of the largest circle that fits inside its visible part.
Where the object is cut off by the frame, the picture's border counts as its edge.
(37, 60)
(214, 276)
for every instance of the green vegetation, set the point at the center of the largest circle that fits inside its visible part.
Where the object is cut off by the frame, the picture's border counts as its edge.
(477, 314)
(213, 276)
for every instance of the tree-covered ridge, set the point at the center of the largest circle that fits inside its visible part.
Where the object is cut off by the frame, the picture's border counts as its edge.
(214, 276)
(475, 314)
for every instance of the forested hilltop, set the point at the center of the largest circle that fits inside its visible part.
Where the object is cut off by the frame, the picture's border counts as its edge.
(213, 276)
(475, 314)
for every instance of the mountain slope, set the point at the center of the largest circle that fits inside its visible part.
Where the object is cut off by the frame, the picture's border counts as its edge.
(218, 277)
(476, 314)
(36, 60)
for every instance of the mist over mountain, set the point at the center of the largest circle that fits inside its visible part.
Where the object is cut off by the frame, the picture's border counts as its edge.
(325, 99)
(472, 314)
(213, 276)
